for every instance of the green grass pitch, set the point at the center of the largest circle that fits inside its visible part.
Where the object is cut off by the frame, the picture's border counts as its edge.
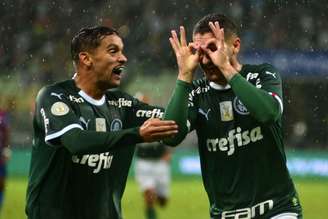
(188, 200)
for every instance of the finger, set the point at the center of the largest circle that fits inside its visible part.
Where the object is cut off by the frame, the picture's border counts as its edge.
(211, 44)
(159, 129)
(206, 50)
(214, 30)
(158, 122)
(183, 39)
(175, 38)
(194, 50)
(162, 135)
(173, 45)
(194, 45)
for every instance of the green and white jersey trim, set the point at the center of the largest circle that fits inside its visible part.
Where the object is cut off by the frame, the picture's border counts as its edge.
(61, 132)
(91, 100)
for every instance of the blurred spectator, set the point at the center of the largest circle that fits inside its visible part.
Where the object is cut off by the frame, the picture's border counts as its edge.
(4, 146)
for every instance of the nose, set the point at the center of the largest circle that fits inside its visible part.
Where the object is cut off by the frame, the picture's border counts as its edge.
(122, 58)
(205, 59)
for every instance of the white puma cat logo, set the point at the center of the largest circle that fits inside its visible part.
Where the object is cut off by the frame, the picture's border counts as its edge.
(57, 95)
(86, 123)
(201, 111)
(270, 73)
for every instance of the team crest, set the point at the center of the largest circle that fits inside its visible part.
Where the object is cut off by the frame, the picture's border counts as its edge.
(116, 125)
(240, 107)
(59, 109)
(226, 111)
(100, 125)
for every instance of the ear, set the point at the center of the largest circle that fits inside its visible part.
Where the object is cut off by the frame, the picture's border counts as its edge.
(85, 58)
(236, 46)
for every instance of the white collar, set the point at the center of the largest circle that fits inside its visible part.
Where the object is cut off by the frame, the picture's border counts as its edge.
(92, 100)
(218, 86)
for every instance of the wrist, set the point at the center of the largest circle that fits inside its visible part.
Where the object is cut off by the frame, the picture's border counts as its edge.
(186, 77)
(228, 72)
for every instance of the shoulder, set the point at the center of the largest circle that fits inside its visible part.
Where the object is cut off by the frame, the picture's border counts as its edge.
(202, 82)
(59, 90)
(263, 71)
(199, 86)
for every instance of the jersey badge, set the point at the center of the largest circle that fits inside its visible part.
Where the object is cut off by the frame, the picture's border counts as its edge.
(226, 111)
(59, 109)
(240, 107)
(116, 125)
(100, 125)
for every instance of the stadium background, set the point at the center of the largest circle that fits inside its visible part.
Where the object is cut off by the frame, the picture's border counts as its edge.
(292, 35)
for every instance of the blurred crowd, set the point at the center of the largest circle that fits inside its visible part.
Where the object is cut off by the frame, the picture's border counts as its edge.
(35, 35)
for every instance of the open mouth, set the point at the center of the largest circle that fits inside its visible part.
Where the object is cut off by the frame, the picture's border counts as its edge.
(118, 70)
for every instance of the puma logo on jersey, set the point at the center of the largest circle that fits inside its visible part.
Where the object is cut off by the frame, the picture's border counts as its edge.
(201, 111)
(236, 137)
(96, 161)
(270, 73)
(85, 123)
(57, 95)
(155, 113)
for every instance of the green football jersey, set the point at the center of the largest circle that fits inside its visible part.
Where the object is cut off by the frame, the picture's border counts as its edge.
(243, 162)
(85, 185)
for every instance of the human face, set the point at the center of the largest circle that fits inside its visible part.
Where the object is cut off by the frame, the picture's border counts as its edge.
(108, 61)
(211, 71)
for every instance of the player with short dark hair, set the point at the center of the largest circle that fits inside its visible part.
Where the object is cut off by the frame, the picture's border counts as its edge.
(236, 110)
(85, 134)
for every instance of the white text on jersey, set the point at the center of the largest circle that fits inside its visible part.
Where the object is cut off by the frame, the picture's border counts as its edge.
(120, 102)
(228, 144)
(254, 211)
(99, 161)
(155, 113)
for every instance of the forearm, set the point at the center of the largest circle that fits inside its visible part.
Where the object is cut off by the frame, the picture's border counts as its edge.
(258, 102)
(79, 141)
(177, 110)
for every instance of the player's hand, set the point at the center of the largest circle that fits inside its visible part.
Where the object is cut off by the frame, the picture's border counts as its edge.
(155, 129)
(187, 55)
(217, 50)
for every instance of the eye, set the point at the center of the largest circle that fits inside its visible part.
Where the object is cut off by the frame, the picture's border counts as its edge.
(112, 51)
(212, 47)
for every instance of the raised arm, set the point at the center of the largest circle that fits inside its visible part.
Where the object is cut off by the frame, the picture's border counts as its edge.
(177, 108)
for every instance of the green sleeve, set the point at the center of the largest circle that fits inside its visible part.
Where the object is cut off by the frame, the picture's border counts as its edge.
(79, 141)
(261, 105)
(177, 110)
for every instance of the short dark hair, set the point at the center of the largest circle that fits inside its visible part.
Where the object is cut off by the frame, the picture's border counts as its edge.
(230, 28)
(88, 39)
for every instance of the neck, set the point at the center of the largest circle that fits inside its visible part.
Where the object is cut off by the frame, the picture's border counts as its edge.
(85, 82)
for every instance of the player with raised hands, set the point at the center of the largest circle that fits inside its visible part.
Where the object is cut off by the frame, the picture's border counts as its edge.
(236, 110)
